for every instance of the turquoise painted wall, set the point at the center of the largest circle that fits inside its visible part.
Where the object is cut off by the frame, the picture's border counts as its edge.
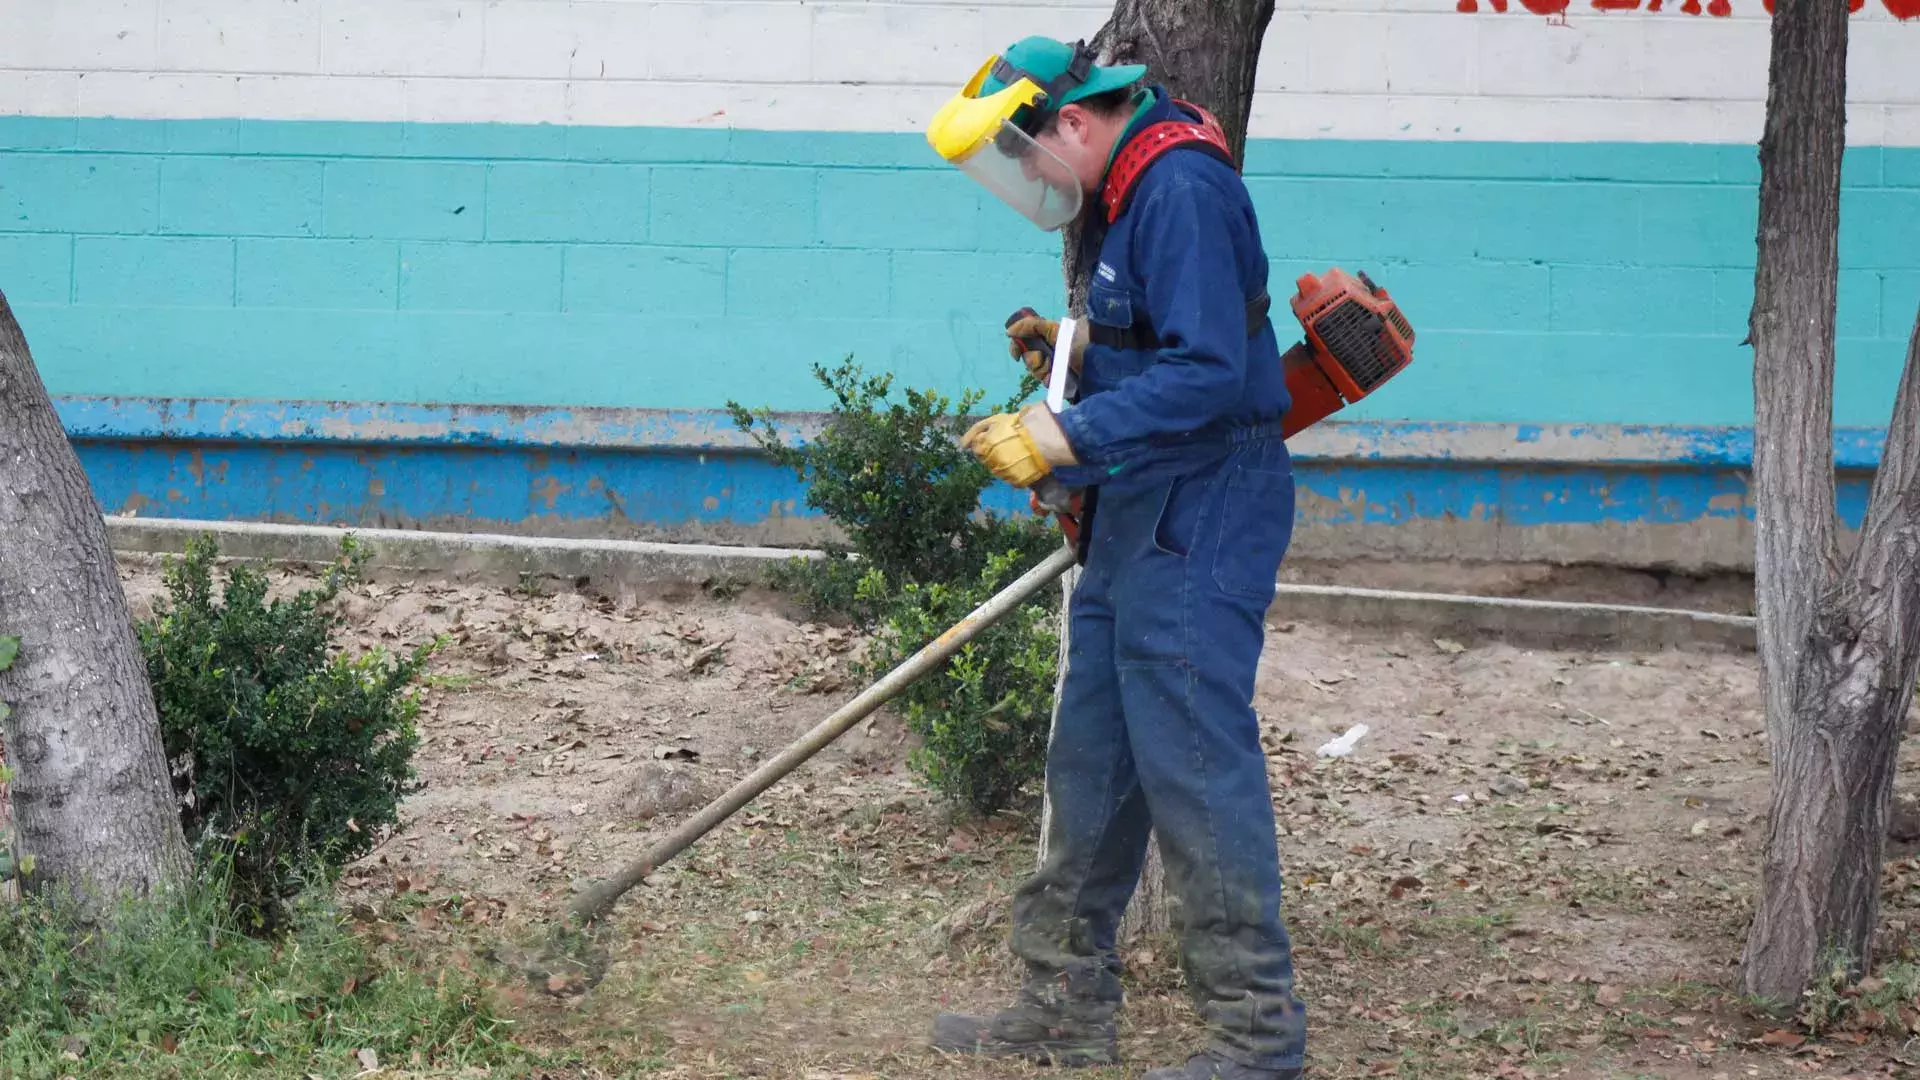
(669, 268)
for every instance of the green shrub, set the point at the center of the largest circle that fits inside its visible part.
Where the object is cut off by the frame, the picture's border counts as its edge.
(983, 719)
(180, 990)
(286, 752)
(895, 479)
(923, 553)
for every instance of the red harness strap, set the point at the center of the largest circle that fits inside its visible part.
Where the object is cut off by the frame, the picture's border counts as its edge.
(1146, 148)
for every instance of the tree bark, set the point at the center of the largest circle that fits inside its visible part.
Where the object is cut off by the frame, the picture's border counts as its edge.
(92, 806)
(1792, 331)
(1838, 646)
(1835, 753)
(1206, 52)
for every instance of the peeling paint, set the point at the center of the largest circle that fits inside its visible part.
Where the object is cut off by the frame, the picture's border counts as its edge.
(710, 434)
(1437, 490)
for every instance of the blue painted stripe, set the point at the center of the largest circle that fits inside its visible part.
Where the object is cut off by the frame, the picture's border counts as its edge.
(743, 497)
(93, 419)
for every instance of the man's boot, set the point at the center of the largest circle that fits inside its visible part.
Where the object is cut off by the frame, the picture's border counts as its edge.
(1212, 1066)
(1073, 1034)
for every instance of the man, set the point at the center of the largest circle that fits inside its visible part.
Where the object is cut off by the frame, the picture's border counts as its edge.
(1174, 439)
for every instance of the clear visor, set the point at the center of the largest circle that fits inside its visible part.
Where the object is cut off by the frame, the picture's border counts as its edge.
(1026, 176)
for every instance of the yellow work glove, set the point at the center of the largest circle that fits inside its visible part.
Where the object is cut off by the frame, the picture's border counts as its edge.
(1022, 447)
(1048, 329)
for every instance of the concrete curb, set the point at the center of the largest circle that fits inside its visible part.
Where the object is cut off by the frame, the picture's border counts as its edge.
(467, 557)
(506, 560)
(1534, 621)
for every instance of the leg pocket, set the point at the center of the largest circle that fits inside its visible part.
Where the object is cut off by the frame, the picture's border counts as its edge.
(1256, 528)
(1178, 524)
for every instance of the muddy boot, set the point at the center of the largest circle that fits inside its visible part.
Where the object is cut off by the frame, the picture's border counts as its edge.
(1071, 1035)
(1214, 1067)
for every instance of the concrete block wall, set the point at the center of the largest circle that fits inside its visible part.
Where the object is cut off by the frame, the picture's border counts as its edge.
(635, 205)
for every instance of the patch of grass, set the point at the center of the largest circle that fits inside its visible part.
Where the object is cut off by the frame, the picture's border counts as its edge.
(1835, 1001)
(180, 990)
(1356, 939)
(1481, 926)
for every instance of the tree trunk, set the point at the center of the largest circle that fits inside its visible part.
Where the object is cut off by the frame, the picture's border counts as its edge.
(1838, 647)
(1206, 52)
(93, 810)
(1792, 330)
(1835, 752)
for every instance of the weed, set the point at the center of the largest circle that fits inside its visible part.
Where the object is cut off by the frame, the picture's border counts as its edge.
(176, 988)
(1835, 1000)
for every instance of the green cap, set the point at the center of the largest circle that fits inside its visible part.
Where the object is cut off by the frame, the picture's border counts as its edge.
(1043, 60)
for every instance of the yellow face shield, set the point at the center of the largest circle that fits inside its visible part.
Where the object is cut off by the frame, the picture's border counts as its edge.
(983, 137)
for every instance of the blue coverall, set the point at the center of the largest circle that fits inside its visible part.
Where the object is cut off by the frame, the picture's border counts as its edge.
(1192, 515)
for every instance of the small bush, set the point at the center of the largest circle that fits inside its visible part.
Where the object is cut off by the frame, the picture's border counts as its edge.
(983, 719)
(287, 753)
(895, 479)
(178, 989)
(923, 554)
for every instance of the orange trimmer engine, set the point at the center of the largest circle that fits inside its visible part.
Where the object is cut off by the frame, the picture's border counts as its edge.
(1357, 339)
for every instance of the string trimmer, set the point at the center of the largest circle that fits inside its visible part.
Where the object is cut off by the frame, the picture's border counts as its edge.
(1356, 339)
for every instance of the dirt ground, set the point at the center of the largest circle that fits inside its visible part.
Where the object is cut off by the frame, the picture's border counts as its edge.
(1534, 864)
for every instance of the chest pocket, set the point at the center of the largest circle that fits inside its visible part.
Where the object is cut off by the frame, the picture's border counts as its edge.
(1109, 305)
(1110, 313)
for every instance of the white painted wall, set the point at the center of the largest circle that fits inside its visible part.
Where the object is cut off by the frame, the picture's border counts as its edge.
(1399, 69)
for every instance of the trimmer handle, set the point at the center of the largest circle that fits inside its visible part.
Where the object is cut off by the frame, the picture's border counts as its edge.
(1049, 495)
(1033, 342)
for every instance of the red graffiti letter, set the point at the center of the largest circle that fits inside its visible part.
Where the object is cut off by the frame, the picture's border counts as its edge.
(1902, 9)
(1618, 5)
(1545, 7)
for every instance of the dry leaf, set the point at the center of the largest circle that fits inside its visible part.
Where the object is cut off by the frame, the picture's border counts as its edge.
(369, 1060)
(1783, 1038)
(1857, 1038)
(1610, 996)
(1448, 646)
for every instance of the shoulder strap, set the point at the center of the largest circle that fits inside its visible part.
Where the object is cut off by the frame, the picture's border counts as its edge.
(1129, 165)
(1154, 141)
